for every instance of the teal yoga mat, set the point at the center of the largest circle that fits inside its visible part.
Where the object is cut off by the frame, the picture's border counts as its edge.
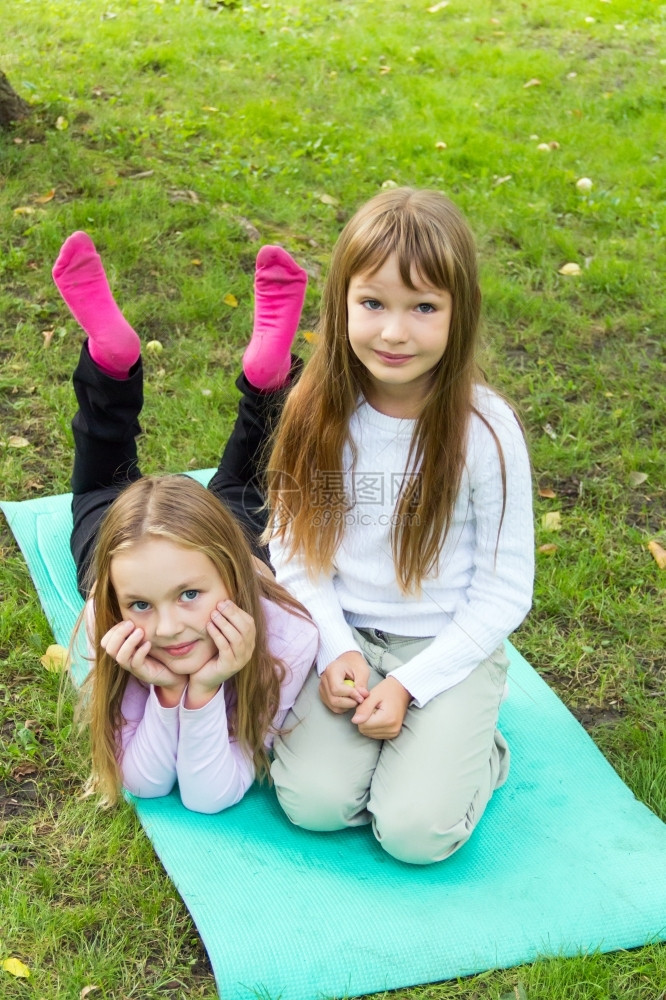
(564, 861)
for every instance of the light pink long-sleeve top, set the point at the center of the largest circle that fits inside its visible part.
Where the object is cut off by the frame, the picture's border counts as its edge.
(159, 746)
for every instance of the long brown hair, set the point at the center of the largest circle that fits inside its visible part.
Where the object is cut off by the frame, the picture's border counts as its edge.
(430, 238)
(184, 512)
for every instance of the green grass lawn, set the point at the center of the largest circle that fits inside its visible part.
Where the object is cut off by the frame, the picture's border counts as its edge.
(182, 135)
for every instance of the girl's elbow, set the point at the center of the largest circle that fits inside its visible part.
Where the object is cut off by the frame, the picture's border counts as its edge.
(147, 790)
(206, 805)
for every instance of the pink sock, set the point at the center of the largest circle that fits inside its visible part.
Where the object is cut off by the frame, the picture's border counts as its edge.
(80, 279)
(279, 290)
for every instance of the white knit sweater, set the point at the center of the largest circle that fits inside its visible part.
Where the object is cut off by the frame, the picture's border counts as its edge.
(482, 589)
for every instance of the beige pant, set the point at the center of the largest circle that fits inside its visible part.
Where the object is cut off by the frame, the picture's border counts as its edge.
(424, 791)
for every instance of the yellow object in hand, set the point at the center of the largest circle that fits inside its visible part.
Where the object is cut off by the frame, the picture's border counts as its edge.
(349, 682)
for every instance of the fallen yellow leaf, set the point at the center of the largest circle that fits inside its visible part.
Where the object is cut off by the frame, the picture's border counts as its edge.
(569, 269)
(55, 659)
(86, 990)
(311, 336)
(17, 442)
(328, 199)
(440, 145)
(552, 521)
(230, 300)
(43, 198)
(548, 549)
(16, 968)
(637, 478)
(196, 262)
(659, 554)
(48, 336)
(24, 210)
(61, 123)
(532, 83)
(547, 494)
(438, 6)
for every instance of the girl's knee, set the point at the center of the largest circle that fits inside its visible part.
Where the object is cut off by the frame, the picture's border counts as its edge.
(418, 838)
(313, 805)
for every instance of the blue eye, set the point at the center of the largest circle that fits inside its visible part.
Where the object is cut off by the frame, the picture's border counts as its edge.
(139, 606)
(189, 595)
(425, 308)
(372, 304)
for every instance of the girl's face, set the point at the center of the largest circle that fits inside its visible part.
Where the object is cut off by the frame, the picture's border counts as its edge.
(399, 334)
(169, 592)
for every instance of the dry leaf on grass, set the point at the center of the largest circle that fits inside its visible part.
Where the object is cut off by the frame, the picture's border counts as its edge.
(658, 553)
(438, 6)
(569, 269)
(518, 993)
(637, 478)
(184, 197)
(552, 521)
(17, 442)
(48, 336)
(549, 549)
(230, 300)
(532, 83)
(86, 990)
(547, 494)
(547, 429)
(24, 210)
(55, 659)
(43, 198)
(16, 968)
(328, 199)
(251, 231)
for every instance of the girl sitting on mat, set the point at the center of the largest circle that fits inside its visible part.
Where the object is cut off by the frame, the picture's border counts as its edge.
(402, 520)
(198, 653)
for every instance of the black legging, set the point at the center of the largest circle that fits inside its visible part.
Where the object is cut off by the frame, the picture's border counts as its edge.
(105, 455)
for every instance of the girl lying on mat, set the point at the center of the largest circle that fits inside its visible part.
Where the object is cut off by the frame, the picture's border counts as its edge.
(198, 653)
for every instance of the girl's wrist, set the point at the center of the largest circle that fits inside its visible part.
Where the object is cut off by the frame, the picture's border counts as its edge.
(199, 695)
(169, 697)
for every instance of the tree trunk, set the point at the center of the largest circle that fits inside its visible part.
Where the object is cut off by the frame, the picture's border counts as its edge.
(12, 107)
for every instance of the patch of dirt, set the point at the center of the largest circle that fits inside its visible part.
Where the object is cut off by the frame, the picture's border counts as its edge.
(18, 798)
(647, 511)
(592, 717)
(517, 357)
(568, 491)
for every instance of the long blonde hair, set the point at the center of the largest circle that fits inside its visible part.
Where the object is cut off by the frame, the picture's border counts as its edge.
(430, 238)
(184, 512)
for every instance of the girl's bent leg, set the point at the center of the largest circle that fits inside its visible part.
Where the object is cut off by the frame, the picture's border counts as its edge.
(433, 782)
(323, 767)
(105, 456)
(239, 480)
(269, 370)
